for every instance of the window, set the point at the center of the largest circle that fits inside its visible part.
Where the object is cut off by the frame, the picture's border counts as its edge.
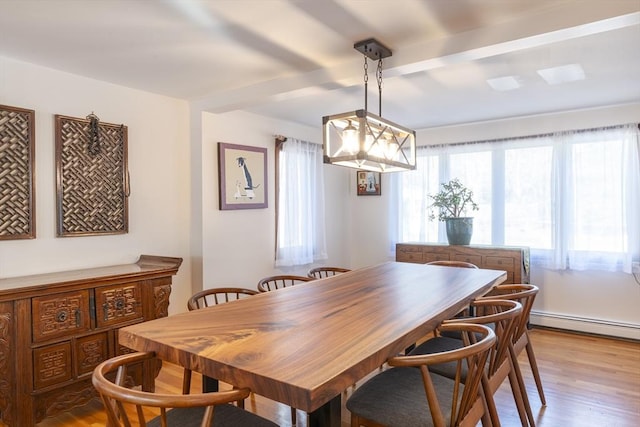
(300, 234)
(573, 197)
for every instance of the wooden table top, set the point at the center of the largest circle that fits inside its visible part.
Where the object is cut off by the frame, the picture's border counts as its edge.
(305, 344)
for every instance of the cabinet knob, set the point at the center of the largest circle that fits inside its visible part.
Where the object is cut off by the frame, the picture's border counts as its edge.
(61, 316)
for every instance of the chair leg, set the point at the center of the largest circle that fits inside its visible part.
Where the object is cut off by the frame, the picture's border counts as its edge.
(534, 369)
(519, 381)
(490, 417)
(517, 397)
(293, 417)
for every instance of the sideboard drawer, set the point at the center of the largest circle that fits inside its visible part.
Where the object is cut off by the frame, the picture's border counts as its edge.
(473, 259)
(434, 256)
(118, 304)
(415, 257)
(60, 315)
(499, 263)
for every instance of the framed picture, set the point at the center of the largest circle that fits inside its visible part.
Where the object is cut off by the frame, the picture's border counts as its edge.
(242, 176)
(369, 183)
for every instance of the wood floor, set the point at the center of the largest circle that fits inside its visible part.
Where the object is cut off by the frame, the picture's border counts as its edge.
(588, 381)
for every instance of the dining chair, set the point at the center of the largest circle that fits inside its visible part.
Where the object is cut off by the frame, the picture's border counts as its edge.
(448, 263)
(502, 316)
(208, 298)
(322, 272)
(124, 404)
(272, 283)
(405, 396)
(525, 294)
(215, 296)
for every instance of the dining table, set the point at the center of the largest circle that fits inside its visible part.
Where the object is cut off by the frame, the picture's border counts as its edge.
(306, 344)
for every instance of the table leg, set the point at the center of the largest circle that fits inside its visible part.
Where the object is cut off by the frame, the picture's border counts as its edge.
(328, 415)
(209, 384)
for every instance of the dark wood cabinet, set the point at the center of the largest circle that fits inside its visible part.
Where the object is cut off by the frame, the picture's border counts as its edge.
(56, 328)
(513, 260)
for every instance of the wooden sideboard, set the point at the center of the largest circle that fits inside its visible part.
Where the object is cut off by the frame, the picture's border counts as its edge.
(513, 260)
(55, 328)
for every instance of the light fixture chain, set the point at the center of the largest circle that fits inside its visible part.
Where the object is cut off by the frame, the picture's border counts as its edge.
(366, 80)
(380, 87)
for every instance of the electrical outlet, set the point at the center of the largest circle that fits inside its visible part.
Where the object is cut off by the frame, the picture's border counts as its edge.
(635, 267)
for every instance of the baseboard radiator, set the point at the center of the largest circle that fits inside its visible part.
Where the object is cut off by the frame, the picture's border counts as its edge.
(585, 324)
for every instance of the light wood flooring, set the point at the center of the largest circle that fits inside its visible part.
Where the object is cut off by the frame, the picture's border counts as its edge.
(588, 381)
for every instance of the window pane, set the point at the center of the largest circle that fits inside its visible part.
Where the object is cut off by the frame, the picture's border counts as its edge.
(597, 197)
(528, 220)
(474, 172)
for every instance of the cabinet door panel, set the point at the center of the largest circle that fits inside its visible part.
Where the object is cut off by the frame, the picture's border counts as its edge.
(60, 315)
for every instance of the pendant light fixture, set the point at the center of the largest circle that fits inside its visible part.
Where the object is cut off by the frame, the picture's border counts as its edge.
(365, 141)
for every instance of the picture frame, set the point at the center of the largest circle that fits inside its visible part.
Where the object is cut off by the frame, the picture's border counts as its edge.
(368, 183)
(242, 177)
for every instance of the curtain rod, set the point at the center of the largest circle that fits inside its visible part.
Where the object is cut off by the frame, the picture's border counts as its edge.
(486, 141)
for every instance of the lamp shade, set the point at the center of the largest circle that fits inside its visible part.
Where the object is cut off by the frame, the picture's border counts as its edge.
(365, 141)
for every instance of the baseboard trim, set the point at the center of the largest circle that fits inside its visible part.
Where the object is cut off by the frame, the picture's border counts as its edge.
(585, 324)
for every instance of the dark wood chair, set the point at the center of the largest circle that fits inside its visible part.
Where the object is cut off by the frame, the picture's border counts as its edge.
(322, 272)
(502, 316)
(113, 378)
(409, 394)
(272, 283)
(446, 263)
(214, 296)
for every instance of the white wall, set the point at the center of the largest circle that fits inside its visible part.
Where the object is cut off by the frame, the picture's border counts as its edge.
(158, 164)
(238, 245)
(595, 302)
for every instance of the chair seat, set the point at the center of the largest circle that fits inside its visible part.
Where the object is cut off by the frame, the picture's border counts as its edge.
(438, 345)
(396, 398)
(225, 416)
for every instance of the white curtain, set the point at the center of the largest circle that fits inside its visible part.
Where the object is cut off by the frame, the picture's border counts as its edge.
(301, 230)
(572, 197)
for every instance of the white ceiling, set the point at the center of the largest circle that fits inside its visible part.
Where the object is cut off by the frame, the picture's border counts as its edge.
(295, 59)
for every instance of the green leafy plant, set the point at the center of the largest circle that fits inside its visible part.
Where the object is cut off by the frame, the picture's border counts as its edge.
(451, 201)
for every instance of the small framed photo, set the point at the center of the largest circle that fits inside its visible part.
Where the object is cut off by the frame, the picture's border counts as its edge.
(369, 183)
(242, 176)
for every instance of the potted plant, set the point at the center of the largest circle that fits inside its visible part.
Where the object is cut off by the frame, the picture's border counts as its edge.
(452, 202)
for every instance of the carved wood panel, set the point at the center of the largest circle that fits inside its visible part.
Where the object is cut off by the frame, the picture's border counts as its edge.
(90, 352)
(118, 304)
(92, 177)
(17, 186)
(60, 315)
(52, 364)
(161, 296)
(55, 401)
